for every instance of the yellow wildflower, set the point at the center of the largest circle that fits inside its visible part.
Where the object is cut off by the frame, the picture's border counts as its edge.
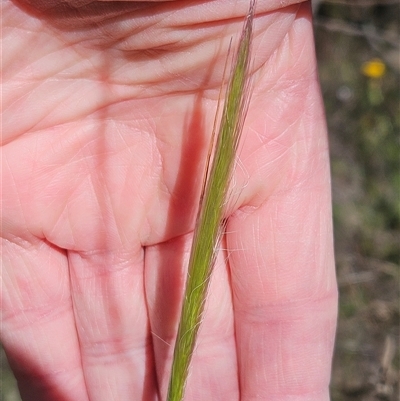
(374, 68)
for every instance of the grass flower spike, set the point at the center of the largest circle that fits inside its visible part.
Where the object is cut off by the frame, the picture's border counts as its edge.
(210, 222)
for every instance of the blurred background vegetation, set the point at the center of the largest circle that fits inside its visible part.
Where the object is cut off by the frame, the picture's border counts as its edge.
(357, 43)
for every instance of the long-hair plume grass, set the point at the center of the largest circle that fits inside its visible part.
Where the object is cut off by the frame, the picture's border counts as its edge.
(210, 223)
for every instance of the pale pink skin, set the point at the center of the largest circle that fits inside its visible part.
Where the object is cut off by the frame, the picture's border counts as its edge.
(105, 132)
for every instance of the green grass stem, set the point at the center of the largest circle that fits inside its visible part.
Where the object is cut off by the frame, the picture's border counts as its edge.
(210, 220)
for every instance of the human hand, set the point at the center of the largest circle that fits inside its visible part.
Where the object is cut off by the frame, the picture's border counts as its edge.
(107, 113)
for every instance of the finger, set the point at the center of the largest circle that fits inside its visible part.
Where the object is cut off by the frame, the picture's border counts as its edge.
(112, 325)
(213, 372)
(284, 298)
(37, 322)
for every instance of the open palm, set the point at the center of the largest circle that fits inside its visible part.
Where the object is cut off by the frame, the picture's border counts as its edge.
(107, 112)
